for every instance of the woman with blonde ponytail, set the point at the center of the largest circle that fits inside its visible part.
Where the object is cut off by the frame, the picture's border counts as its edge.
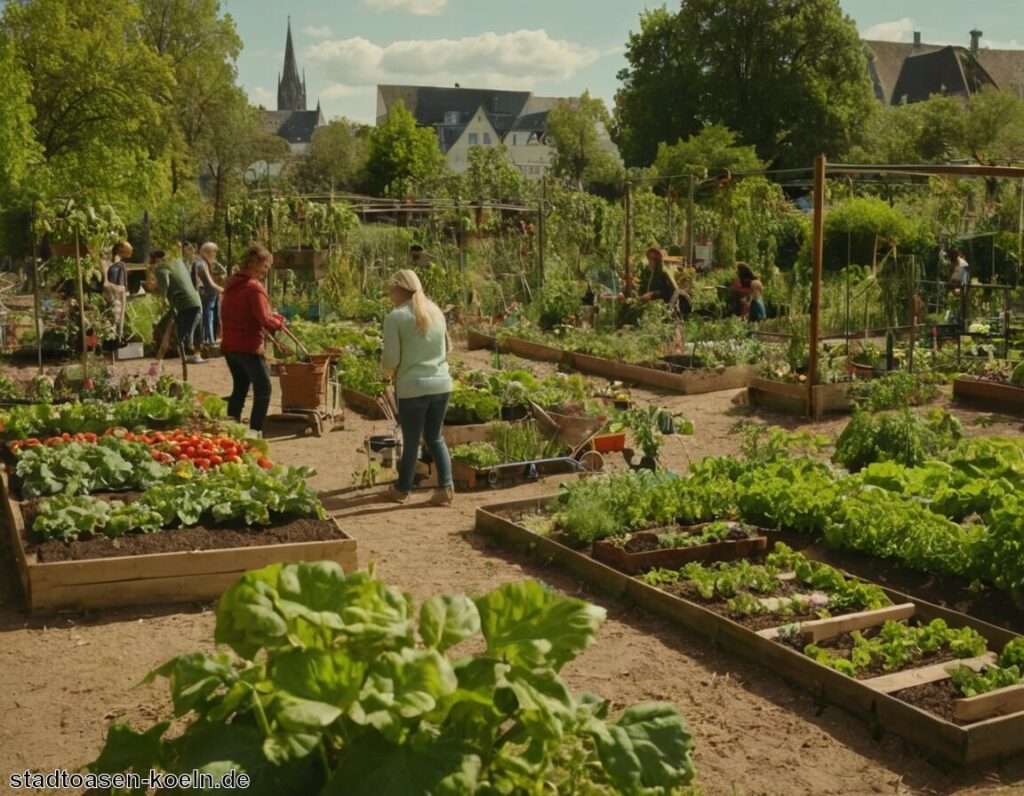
(415, 352)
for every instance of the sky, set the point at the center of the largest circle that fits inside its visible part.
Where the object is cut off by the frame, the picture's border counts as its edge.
(551, 47)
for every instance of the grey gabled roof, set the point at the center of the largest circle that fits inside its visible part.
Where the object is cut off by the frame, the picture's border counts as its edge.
(430, 104)
(296, 127)
(895, 60)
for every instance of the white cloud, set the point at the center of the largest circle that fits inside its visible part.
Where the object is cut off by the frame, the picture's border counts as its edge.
(322, 32)
(260, 96)
(417, 7)
(999, 44)
(897, 30)
(336, 90)
(509, 60)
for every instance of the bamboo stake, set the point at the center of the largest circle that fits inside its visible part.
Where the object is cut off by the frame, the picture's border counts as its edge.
(81, 309)
(818, 254)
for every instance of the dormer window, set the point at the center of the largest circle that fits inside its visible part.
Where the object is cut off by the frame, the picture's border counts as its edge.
(451, 117)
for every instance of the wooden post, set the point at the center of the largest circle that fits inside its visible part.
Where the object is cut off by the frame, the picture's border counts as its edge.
(228, 232)
(627, 270)
(817, 254)
(36, 300)
(81, 308)
(912, 300)
(541, 227)
(689, 222)
(1020, 238)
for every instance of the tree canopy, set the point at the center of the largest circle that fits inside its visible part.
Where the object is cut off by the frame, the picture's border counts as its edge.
(401, 156)
(789, 76)
(578, 127)
(335, 158)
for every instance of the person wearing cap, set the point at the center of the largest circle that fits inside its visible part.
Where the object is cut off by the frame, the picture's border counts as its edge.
(416, 349)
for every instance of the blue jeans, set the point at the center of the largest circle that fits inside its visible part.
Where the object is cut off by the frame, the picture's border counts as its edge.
(210, 307)
(249, 369)
(423, 417)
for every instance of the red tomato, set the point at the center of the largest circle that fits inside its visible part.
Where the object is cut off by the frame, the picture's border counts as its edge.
(203, 463)
(216, 460)
(182, 458)
(157, 456)
(232, 458)
(266, 464)
(190, 450)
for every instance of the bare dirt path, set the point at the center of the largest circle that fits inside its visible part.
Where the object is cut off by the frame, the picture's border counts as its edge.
(67, 677)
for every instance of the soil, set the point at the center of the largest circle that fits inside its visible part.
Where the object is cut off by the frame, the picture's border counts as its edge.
(936, 698)
(185, 539)
(71, 675)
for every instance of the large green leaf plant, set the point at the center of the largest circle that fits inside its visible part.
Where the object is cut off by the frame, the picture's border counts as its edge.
(335, 684)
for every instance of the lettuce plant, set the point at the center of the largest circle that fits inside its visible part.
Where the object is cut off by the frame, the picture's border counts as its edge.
(336, 684)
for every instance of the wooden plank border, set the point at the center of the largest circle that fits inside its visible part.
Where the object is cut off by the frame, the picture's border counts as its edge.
(989, 395)
(362, 403)
(182, 576)
(961, 745)
(791, 399)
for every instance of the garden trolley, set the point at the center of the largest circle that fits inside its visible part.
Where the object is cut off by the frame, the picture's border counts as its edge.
(308, 397)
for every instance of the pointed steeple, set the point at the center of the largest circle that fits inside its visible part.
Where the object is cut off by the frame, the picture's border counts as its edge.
(291, 91)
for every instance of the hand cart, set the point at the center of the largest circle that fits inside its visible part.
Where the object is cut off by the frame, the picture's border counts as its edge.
(307, 397)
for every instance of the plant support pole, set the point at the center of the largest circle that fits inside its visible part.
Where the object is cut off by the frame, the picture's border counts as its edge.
(542, 207)
(689, 223)
(81, 309)
(36, 301)
(627, 270)
(817, 256)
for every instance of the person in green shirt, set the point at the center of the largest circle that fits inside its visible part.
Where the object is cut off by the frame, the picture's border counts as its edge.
(174, 283)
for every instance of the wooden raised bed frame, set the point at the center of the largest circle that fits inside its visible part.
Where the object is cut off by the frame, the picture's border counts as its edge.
(961, 745)
(155, 578)
(700, 380)
(989, 395)
(792, 398)
(635, 563)
(362, 403)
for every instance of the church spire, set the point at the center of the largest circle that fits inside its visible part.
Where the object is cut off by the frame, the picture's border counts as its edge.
(291, 91)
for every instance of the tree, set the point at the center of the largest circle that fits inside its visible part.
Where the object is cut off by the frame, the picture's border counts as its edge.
(201, 47)
(401, 157)
(582, 150)
(491, 177)
(335, 158)
(18, 149)
(712, 151)
(98, 96)
(922, 132)
(789, 76)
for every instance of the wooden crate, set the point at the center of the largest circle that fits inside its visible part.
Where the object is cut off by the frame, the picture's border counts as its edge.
(362, 403)
(989, 395)
(791, 399)
(960, 745)
(157, 578)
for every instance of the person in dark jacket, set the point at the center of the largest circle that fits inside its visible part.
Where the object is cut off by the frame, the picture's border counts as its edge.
(175, 286)
(657, 282)
(245, 314)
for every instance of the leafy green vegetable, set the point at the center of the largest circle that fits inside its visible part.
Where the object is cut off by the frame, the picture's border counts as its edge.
(480, 455)
(904, 436)
(338, 688)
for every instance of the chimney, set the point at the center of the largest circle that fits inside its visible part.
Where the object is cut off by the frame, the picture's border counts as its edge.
(975, 40)
(917, 38)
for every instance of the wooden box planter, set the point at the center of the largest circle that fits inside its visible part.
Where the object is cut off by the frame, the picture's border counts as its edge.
(155, 578)
(362, 403)
(870, 699)
(476, 340)
(466, 434)
(690, 382)
(636, 563)
(313, 261)
(989, 395)
(538, 351)
(792, 398)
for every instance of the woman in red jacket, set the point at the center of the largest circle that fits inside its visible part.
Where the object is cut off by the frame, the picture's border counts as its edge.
(245, 314)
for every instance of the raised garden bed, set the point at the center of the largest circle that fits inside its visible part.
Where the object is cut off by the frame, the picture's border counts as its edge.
(362, 403)
(644, 551)
(791, 399)
(875, 699)
(196, 563)
(989, 395)
(477, 340)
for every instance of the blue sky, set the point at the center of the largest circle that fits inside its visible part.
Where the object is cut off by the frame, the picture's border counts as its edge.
(552, 47)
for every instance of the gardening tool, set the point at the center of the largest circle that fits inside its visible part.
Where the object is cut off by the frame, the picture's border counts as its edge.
(303, 387)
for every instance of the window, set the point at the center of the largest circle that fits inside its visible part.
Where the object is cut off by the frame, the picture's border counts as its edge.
(514, 142)
(487, 139)
(451, 117)
(473, 139)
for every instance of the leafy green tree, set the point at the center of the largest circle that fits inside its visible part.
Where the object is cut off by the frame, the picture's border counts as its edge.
(98, 94)
(401, 157)
(712, 151)
(18, 149)
(201, 45)
(922, 132)
(335, 158)
(490, 177)
(994, 126)
(583, 153)
(789, 76)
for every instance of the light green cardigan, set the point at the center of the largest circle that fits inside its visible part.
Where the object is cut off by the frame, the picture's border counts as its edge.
(418, 360)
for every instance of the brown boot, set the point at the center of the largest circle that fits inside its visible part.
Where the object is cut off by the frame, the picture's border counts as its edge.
(443, 496)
